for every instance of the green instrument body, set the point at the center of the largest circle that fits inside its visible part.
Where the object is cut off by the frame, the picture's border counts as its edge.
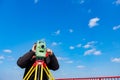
(41, 49)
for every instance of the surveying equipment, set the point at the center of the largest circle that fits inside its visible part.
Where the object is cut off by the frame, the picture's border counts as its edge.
(39, 64)
(41, 50)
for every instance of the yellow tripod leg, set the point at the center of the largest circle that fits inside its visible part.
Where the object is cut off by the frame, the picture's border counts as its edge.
(48, 73)
(41, 72)
(28, 73)
(35, 78)
(36, 72)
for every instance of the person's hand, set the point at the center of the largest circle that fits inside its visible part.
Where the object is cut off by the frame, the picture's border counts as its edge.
(34, 48)
(49, 51)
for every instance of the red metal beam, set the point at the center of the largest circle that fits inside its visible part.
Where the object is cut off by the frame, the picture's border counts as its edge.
(92, 78)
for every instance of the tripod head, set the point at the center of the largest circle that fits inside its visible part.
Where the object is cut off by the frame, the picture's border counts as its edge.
(41, 50)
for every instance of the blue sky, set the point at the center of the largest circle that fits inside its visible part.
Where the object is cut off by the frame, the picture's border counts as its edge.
(84, 35)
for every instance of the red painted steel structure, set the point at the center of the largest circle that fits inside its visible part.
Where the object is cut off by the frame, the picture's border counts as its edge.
(94, 78)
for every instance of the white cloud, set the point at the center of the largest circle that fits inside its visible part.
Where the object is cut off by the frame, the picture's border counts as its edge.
(57, 32)
(7, 51)
(79, 45)
(92, 51)
(55, 43)
(43, 39)
(62, 58)
(80, 67)
(83, 39)
(70, 30)
(66, 60)
(117, 2)
(90, 44)
(76, 46)
(93, 22)
(97, 53)
(72, 47)
(87, 46)
(116, 27)
(117, 60)
(1, 62)
(89, 10)
(88, 52)
(69, 62)
(82, 1)
(35, 1)
(78, 2)
(2, 57)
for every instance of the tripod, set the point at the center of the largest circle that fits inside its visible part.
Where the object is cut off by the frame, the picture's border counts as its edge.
(38, 68)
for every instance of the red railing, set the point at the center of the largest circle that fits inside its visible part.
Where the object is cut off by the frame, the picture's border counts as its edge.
(93, 78)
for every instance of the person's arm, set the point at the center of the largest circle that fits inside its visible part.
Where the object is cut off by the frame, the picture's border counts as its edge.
(25, 59)
(53, 64)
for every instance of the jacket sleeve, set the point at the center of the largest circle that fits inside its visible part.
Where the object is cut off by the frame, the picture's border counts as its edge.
(25, 59)
(53, 64)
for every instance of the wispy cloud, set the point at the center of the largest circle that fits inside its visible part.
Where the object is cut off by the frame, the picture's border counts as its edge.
(69, 62)
(56, 43)
(116, 27)
(82, 1)
(93, 22)
(90, 44)
(92, 51)
(78, 1)
(35, 1)
(2, 57)
(79, 45)
(80, 66)
(92, 48)
(71, 47)
(89, 10)
(57, 32)
(43, 39)
(7, 51)
(76, 46)
(87, 46)
(1, 62)
(62, 58)
(71, 30)
(117, 2)
(117, 60)
(65, 60)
